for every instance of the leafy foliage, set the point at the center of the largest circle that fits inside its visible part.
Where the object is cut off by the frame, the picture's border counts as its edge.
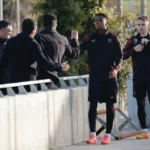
(69, 14)
(76, 14)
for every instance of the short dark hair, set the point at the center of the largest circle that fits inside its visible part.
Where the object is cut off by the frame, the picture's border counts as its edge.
(49, 20)
(28, 25)
(143, 18)
(4, 24)
(102, 14)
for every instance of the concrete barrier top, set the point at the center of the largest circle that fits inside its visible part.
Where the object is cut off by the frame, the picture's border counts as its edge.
(40, 85)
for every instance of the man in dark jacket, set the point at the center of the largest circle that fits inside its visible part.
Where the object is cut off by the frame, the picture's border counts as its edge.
(55, 46)
(138, 48)
(22, 53)
(5, 33)
(104, 58)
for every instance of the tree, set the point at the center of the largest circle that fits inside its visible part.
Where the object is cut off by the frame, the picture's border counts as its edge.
(69, 14)
(143, 7)
(10, 11)
(119, 6)
(76, 14)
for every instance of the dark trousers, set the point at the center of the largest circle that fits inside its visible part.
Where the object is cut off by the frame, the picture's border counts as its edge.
(141, 112)
(103, 92)
(140, 90)
(110, 114)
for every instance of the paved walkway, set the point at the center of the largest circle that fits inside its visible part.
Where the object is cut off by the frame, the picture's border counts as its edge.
(125, 144)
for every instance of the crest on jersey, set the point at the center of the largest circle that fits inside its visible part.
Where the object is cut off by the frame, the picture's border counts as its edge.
(93, 40)
(109, 40)
(135, 41)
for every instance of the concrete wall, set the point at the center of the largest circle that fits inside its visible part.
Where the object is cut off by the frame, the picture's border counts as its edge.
(41, 120)
(47, 119)
(132, 105)
(44, 120)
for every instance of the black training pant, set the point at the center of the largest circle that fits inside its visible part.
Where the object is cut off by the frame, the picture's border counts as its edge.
(102, 91)
(140, 90)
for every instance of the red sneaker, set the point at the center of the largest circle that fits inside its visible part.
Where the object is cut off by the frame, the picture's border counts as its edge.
(92, 140)
(106, 140)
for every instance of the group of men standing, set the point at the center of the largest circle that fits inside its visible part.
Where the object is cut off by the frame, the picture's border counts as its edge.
(27, 56)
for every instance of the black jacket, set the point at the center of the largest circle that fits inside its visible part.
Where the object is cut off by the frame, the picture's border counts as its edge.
(104, 54)
(140, 60)
(3, 71)
(55, 47)
(2, 45)
(21, 55)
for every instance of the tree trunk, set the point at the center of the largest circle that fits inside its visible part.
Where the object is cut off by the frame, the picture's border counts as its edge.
(119, 7)
(1, 9)
(143, 7)
(18, 15)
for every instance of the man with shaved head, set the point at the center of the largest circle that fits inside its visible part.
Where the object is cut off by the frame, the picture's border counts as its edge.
(104, 58)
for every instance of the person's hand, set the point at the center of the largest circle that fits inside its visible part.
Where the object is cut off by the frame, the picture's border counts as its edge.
(144, 41)
(138, 48)
(74, 34)
(65, 66)
(113, 73)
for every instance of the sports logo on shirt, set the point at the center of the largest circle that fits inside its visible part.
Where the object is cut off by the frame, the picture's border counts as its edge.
(109, 40)
(112, 97)
(93, 40)
(135, 41)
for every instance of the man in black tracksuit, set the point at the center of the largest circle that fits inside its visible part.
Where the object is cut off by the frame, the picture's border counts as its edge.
(55, 47)
(104, 58)
(5, 32)
(22, 53)
(138, 47)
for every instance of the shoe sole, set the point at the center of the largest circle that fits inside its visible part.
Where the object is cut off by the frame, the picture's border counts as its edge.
(105, 143)
(142, 138)
(91, 143)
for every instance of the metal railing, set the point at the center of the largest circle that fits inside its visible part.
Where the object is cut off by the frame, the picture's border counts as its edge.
(41, 85)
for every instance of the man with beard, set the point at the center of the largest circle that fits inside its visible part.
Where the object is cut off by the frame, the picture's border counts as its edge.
(104, 58)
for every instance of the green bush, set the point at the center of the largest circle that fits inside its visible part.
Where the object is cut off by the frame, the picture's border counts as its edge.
(75, 14)
(69, 14)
